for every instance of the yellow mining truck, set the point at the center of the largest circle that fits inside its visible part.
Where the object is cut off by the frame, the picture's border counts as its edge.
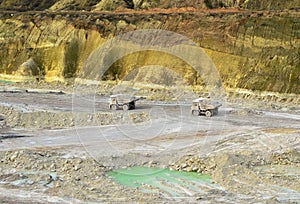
(123, 101)
(204, 106)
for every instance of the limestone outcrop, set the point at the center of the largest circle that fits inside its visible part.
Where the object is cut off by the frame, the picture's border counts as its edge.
(257, 48)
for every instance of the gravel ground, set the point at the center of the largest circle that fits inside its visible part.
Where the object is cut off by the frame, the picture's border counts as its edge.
(51, 154)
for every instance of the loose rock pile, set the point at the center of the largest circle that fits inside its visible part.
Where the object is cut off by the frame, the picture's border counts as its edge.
(61, 175)
(246, 111)
(195, 164)
(44, 119)
(235, 170)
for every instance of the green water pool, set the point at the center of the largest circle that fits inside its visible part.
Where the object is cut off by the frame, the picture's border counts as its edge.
(6, 82)
(171, 183)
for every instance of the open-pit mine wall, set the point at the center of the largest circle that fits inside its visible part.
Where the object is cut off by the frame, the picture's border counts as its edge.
(254, 44)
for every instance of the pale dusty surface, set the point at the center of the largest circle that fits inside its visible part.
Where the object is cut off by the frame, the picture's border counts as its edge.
(251, 152)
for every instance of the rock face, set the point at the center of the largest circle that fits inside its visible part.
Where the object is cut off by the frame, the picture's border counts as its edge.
(258, 50)
(142, 4)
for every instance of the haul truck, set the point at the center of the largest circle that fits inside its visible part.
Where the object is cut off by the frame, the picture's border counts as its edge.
(204, 106)
(122, 101)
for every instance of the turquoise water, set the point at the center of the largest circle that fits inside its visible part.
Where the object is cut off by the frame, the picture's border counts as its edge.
(172, 183)
(6, 82)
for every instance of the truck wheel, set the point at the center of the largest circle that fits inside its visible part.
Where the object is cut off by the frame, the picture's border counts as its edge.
(125, 107)
(194, 112)
(208, 114)
(113, 107)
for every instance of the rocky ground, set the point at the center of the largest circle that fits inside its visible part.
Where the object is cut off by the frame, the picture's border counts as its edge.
(59, 141)
(251, 149)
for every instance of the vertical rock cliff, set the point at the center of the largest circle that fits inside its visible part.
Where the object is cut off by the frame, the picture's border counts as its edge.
(257, 48)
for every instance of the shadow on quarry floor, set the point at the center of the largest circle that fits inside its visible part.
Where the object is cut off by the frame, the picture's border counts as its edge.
(4, 136)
